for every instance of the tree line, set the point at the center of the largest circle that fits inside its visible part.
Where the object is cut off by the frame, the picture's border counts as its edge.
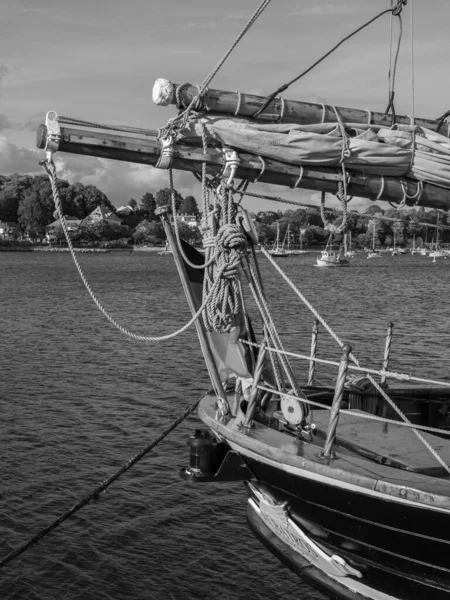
(305, 226)
(28, 201)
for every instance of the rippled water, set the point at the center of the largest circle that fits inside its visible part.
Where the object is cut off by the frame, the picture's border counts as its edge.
(78, 399)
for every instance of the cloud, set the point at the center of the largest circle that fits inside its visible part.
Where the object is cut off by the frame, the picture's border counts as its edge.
(121, 181)
(322, 10)
(5, 123)
(18, 160)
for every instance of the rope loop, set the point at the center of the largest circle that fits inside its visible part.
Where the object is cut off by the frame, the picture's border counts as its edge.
(282, 109)
(263, 168)
(238, 105)
(398, 9)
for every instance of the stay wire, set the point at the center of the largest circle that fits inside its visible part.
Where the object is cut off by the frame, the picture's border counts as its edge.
(286, 85)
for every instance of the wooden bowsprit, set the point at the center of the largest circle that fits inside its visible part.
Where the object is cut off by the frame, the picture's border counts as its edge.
(142, 146)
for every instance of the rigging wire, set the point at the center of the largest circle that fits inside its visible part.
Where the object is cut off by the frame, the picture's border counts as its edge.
(394, 11)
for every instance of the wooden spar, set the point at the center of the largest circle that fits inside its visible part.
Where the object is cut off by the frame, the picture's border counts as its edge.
(146, 149)
(287, 111)
(163, 212)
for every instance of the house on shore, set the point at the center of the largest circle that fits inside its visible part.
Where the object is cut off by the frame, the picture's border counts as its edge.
(102, 213)
(72, 224)
(9, 230)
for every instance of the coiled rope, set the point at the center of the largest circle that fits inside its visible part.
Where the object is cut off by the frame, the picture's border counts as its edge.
(94, 494)
(225, 242)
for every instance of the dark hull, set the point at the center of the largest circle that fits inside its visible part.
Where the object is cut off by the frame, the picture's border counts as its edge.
(400, 548)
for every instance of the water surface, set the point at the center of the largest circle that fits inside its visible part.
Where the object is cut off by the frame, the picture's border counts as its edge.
(78, 399)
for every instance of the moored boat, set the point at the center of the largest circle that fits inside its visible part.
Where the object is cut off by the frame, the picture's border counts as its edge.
(349, 485)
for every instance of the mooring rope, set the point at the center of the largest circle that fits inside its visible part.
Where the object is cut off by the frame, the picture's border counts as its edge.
(94, 494)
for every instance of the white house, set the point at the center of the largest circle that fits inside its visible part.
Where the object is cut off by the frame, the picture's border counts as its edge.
(190, 220)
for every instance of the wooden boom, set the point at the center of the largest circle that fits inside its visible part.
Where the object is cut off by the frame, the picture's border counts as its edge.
(142, 146)
(284, 111)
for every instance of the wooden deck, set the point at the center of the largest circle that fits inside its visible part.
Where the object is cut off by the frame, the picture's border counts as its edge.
(399, 446)
(351, 466)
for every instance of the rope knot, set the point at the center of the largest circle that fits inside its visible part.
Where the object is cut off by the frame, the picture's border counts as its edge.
(398, 9)
(231, 237)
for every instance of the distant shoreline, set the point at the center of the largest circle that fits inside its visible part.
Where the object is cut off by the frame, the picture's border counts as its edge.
(51, 250)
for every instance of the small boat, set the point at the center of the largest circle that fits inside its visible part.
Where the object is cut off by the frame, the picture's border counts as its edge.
(330, 257)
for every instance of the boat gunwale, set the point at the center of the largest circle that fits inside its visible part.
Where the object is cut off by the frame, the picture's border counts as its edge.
(380, 483)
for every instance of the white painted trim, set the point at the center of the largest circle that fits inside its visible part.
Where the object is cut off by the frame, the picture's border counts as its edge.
(331, 481)
(354, 585)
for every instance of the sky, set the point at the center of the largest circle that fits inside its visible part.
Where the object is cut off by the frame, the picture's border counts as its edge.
(97, 60)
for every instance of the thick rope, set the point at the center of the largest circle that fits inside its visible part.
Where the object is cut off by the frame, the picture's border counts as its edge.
(392, 72)
(51, 171)
(95, 493)
(225, 242)
(270, 327)
(377, 386)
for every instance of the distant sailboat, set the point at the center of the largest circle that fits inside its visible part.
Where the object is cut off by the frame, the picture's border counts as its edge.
(287, 238)
(301, 250)
(394, 251)
(436, 251)
(348, 252)
(278, 249)
(374, 253)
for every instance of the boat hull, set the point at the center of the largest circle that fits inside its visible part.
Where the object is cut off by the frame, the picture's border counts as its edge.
(387, 528)
(332, 263)
(298, 562)
(399, 548)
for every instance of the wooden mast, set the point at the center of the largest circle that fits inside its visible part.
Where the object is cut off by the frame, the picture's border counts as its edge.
(144, 148)
(281, 111)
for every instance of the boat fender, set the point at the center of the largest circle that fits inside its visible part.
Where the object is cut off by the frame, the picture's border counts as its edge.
(202, 453)
(294, 411)
(246, 222)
